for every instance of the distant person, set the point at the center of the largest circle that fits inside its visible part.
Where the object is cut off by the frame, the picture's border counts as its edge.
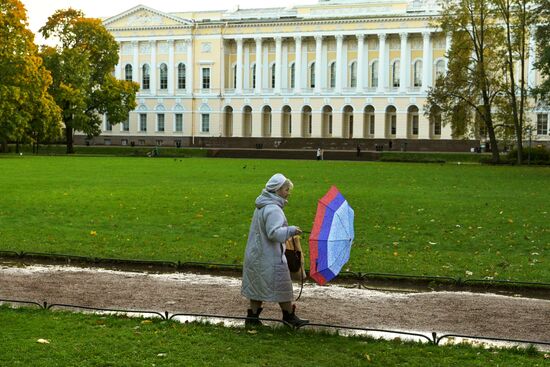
(358, 150)
(319, 154)
(390, 143)
(266, 277)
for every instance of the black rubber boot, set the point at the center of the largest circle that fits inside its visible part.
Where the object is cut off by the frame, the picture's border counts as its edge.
(253, 319)
(292, 320)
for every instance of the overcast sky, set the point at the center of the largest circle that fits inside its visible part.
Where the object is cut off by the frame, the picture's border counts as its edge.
(38, 11)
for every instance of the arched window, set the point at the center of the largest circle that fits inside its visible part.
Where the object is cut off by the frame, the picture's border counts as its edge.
(181, 76)
(292, 75)
(439, 68)
(145, 77)
(312, 75)
(353, 75)
(374, 74)
(333, 74)
(128, 72)
(395, 73)
(273, 75)
(163, 76)
(417, 73)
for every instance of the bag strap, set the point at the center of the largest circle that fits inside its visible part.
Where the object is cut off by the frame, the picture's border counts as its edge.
(302, 281)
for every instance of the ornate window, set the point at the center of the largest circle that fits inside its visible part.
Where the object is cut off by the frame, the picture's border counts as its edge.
(374, 74)
(312, 75)
(333, 74)
(181, 76)
(395, 74)
(145, 77)
(128, 72)
(417, 73)
(163, 76)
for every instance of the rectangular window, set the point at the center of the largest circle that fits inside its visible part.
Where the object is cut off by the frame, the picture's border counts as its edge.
(205, 123)
(126, 124)
(142, 122)
(179, 122)
(205, 78)
(108, 126)
(107, 141)
(415, 125)
(124, 142)
(141, 142)
(158, 143)
(542, 124)
(160, 122)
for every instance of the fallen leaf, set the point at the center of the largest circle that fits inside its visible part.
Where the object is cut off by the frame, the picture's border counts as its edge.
(43, 341)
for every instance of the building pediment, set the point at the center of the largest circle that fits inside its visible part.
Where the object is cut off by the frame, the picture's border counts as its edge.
(142, 16)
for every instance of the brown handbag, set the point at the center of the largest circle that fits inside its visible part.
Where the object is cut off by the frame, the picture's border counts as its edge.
(293, 254)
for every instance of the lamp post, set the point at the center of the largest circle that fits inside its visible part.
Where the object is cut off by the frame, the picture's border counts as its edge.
(529, 152)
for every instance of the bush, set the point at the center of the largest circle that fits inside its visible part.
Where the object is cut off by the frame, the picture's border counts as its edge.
(539, 155)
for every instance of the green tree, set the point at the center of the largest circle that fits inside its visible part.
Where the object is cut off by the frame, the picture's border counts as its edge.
(542, 91)
(517, 17)
(81, 65)
(474, 79)
(25, 105)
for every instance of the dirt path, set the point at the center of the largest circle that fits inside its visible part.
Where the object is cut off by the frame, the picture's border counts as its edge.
(486, 315)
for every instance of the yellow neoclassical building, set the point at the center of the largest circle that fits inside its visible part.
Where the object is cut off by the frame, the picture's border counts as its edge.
(346, 70)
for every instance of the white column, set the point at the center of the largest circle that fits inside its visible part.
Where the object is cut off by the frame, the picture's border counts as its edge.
(135, 63)
(339, 66)
(239, 86)
(118, 67)
(154, 68)
(278, 61)
(448, 41)
(246, 68)
(531, 71)
(171, 67)
(426, 61)
(360, 62)
(318, 61)
(259, 52)
(403, 74)
(189, 66)
(382, 63)
(297, 69)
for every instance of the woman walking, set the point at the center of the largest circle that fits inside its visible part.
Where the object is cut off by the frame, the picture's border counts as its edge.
(266, 277)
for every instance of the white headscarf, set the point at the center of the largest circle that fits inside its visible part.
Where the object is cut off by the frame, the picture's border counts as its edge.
(275, 182)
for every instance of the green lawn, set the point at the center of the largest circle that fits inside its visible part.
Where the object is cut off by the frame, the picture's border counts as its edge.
(466, 221)
(89, 340)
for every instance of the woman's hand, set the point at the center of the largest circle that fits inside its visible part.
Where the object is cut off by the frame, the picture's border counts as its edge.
(298, 230)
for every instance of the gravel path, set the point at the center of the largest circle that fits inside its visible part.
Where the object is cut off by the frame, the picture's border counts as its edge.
(487, 315)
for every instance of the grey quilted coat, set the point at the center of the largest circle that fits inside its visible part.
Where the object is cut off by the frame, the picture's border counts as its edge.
(265, 272)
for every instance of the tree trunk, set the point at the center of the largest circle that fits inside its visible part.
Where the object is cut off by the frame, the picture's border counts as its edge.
(69, 137)
(3, 145)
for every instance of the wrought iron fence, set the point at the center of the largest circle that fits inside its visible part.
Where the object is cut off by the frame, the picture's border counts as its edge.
(432, 338)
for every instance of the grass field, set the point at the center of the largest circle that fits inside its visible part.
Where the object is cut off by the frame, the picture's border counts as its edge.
(466, 221)
(90, 340)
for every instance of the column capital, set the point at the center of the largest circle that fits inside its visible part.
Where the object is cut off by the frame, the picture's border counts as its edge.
(382, 36)
(188, 41)
(318, 38)
(278, 39)
(239, 40)
(258, 39)
(170, 42)
(135, 43)
(298, 38)
(403, 35)
(339, 37)
(360, 37)
(426, 34)
(152, 42)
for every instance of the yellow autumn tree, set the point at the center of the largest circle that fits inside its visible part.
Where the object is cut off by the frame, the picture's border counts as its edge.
(28, 112)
